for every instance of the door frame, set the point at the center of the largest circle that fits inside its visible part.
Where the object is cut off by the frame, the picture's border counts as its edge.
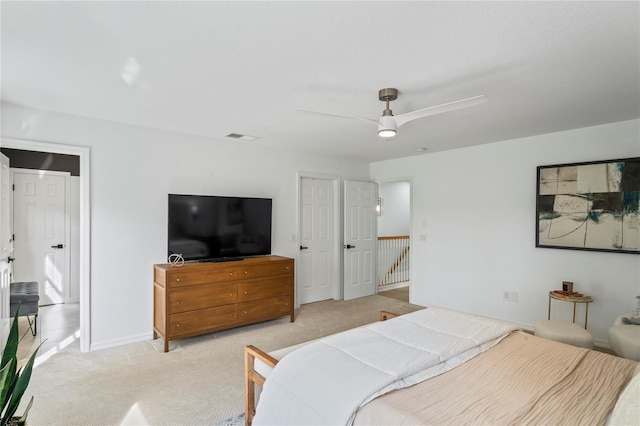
(85, 223)
(5, 265)
(411, 218)
(337, 227)
(67, 220)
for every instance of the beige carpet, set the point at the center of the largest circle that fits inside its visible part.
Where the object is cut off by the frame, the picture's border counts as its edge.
(199, 382)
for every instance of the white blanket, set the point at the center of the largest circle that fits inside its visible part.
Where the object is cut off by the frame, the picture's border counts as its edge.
(325, 382)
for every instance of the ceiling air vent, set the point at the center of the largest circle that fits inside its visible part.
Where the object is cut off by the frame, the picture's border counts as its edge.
(242, 137)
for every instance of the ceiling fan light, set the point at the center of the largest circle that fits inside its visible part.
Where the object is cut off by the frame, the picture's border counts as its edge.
(386, 133)
(386, 126)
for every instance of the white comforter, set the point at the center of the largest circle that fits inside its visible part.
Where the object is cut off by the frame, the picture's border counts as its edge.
(325, 382)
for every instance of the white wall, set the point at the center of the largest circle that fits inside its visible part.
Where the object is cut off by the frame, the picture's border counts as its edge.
(132, 171)
(396, 216)
(478, 205)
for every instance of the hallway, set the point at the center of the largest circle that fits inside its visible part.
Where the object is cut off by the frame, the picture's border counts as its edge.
(58, 328)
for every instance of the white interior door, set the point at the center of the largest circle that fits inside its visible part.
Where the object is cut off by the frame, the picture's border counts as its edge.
(317, 243)
(360, 236)
(40, 232)
(6, 247)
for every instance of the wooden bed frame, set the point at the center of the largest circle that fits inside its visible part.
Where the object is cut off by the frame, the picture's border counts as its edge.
(253, 378)
(598, 386)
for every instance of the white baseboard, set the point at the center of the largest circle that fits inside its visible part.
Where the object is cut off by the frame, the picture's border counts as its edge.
(98, 346)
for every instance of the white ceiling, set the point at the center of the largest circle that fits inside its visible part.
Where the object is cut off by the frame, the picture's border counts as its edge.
(212, 68)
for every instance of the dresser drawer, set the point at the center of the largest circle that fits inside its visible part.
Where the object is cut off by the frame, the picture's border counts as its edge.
(203, 319)
(202, 296)
(264, 309)
(179, 278)
(261, 288)
(265, 269)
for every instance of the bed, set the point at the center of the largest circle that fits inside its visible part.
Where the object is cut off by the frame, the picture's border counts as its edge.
(437, 366)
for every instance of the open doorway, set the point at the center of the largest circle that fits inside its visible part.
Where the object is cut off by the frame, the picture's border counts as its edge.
(82, 270)
(394, 239)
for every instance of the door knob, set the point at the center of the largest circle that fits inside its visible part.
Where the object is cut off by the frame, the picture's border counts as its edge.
(348, 246)
(59, 246)
(303, 248)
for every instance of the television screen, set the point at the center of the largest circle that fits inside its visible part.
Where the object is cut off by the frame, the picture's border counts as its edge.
(203, 227)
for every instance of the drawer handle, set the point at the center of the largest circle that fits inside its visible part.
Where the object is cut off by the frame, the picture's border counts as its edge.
(245, 312)
(230, 294)
(177, 279)
(246, 292)
(287, 268)
(246, 272)
(178, 325)
(177, 302)
(230, 274)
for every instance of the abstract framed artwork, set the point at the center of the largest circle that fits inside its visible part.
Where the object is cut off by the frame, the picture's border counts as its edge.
(589, 206)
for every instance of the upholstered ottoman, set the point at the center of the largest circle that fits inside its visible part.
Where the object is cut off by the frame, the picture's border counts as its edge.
(624, 339)
(565, 332)
(25, 294)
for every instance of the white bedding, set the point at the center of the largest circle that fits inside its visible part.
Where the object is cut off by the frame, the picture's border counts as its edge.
(326, 381)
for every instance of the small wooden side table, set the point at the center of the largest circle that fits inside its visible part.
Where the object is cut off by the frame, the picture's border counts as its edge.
(575, 300)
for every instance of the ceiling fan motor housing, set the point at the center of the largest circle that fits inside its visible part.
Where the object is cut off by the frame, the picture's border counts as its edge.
(387, 127)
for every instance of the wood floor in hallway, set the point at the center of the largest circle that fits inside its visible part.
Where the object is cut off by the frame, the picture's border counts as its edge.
(401, 293)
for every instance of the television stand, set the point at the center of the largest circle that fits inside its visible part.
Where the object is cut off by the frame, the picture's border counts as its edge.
(203, 297)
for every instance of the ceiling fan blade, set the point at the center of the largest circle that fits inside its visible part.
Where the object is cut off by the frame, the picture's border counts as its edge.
(439, 109)
(330, 114)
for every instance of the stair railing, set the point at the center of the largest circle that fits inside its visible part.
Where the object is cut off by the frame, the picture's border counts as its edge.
(393, 260)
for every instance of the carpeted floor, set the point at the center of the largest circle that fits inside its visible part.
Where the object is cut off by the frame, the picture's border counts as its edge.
(199, 382)
(238, 420)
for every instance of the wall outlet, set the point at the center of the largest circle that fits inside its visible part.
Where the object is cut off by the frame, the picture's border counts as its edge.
(509, 296)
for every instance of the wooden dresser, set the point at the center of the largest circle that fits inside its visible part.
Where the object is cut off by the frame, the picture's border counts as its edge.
(199, 298)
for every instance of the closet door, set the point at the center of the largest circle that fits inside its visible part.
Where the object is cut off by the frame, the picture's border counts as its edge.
(40, 229)
(360, 238)
(316, 271)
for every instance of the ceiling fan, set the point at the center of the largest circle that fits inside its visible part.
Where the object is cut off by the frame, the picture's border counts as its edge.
(389, 124)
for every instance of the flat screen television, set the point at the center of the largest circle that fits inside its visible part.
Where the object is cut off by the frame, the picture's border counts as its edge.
(213, 228)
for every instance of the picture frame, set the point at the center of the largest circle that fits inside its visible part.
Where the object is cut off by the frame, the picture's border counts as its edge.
(589, 206)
